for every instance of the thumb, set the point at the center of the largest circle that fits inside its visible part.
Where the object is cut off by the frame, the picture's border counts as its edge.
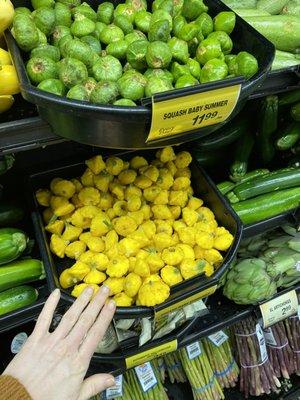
(94, 385)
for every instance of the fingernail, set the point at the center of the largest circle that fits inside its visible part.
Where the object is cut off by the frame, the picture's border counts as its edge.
(111, 305)
(105, 289)
(110, 382)
(89, 291)
(56, 292)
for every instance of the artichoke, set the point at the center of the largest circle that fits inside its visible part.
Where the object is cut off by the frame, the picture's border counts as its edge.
(248, 282)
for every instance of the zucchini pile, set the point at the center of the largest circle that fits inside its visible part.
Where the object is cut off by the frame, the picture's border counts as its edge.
(278, 21)
(15, 273)
(270, 144)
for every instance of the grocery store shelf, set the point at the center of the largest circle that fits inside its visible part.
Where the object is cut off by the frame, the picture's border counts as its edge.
(278, 82)
(26, 134)
(223, 313)
(291, 217)
(25, 130)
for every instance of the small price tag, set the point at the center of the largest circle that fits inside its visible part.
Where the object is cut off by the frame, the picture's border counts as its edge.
(297, 266)
(18, 342)
(279, 308)
(149, 355)
(146, 376)
(193, 350)
(187, 113)
(117, 390)
(218, 338)
(269, 337)
(262, 343)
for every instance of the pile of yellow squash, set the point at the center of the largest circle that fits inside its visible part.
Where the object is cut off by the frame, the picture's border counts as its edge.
(9, 84)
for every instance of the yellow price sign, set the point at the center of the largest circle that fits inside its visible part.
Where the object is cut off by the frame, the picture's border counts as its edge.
(150, 354)
(187, 113)
(279, 308)
(182, 303)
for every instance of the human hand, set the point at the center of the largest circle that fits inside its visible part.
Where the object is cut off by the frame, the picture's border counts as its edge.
(53, 365)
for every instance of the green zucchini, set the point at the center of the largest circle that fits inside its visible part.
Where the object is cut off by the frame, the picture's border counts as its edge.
(289, 137)
(267, 127)
(249, 12)
(225, 187)
(240, 3)
(232, 198)
(243, 150)
(19, 272)
(10, 214)
(277, 180)
(12, 244)
(254, 174)
(224, 137)
(295, 112)
(283, 62)
(289, 98)
(292, 8)
(271, 6)
(17, 297)
(207, 158)
(282, 30)
(267, 205)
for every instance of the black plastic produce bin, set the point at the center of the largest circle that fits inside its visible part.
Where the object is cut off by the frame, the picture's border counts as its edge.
(128, 127)
(203, 187)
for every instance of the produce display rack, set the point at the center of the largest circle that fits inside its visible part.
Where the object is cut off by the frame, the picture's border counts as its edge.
(222, 314)
(32, 132)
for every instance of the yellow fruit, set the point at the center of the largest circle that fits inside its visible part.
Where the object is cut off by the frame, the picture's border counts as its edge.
(5, 57)
(5, 103)
(6, 14)
(9, 83)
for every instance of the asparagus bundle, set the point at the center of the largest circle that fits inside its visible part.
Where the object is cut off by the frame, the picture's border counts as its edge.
(174, 368)
(138, 390)
(201, 376)
(160, 366)
(221, 359)
(279, 351)
(292, 325)
(257, 376)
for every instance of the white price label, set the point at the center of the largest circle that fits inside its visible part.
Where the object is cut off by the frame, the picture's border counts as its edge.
(193, 350)
(218, 338)
(269, 337)
(297, 266)
(117, 390)
(262, 343)
(18, 341)
(279, 308)
(146, 376)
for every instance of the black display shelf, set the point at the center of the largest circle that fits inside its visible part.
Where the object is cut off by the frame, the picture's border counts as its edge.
(22, 129)
(223, 313)
(279, 81)
(289, 217)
